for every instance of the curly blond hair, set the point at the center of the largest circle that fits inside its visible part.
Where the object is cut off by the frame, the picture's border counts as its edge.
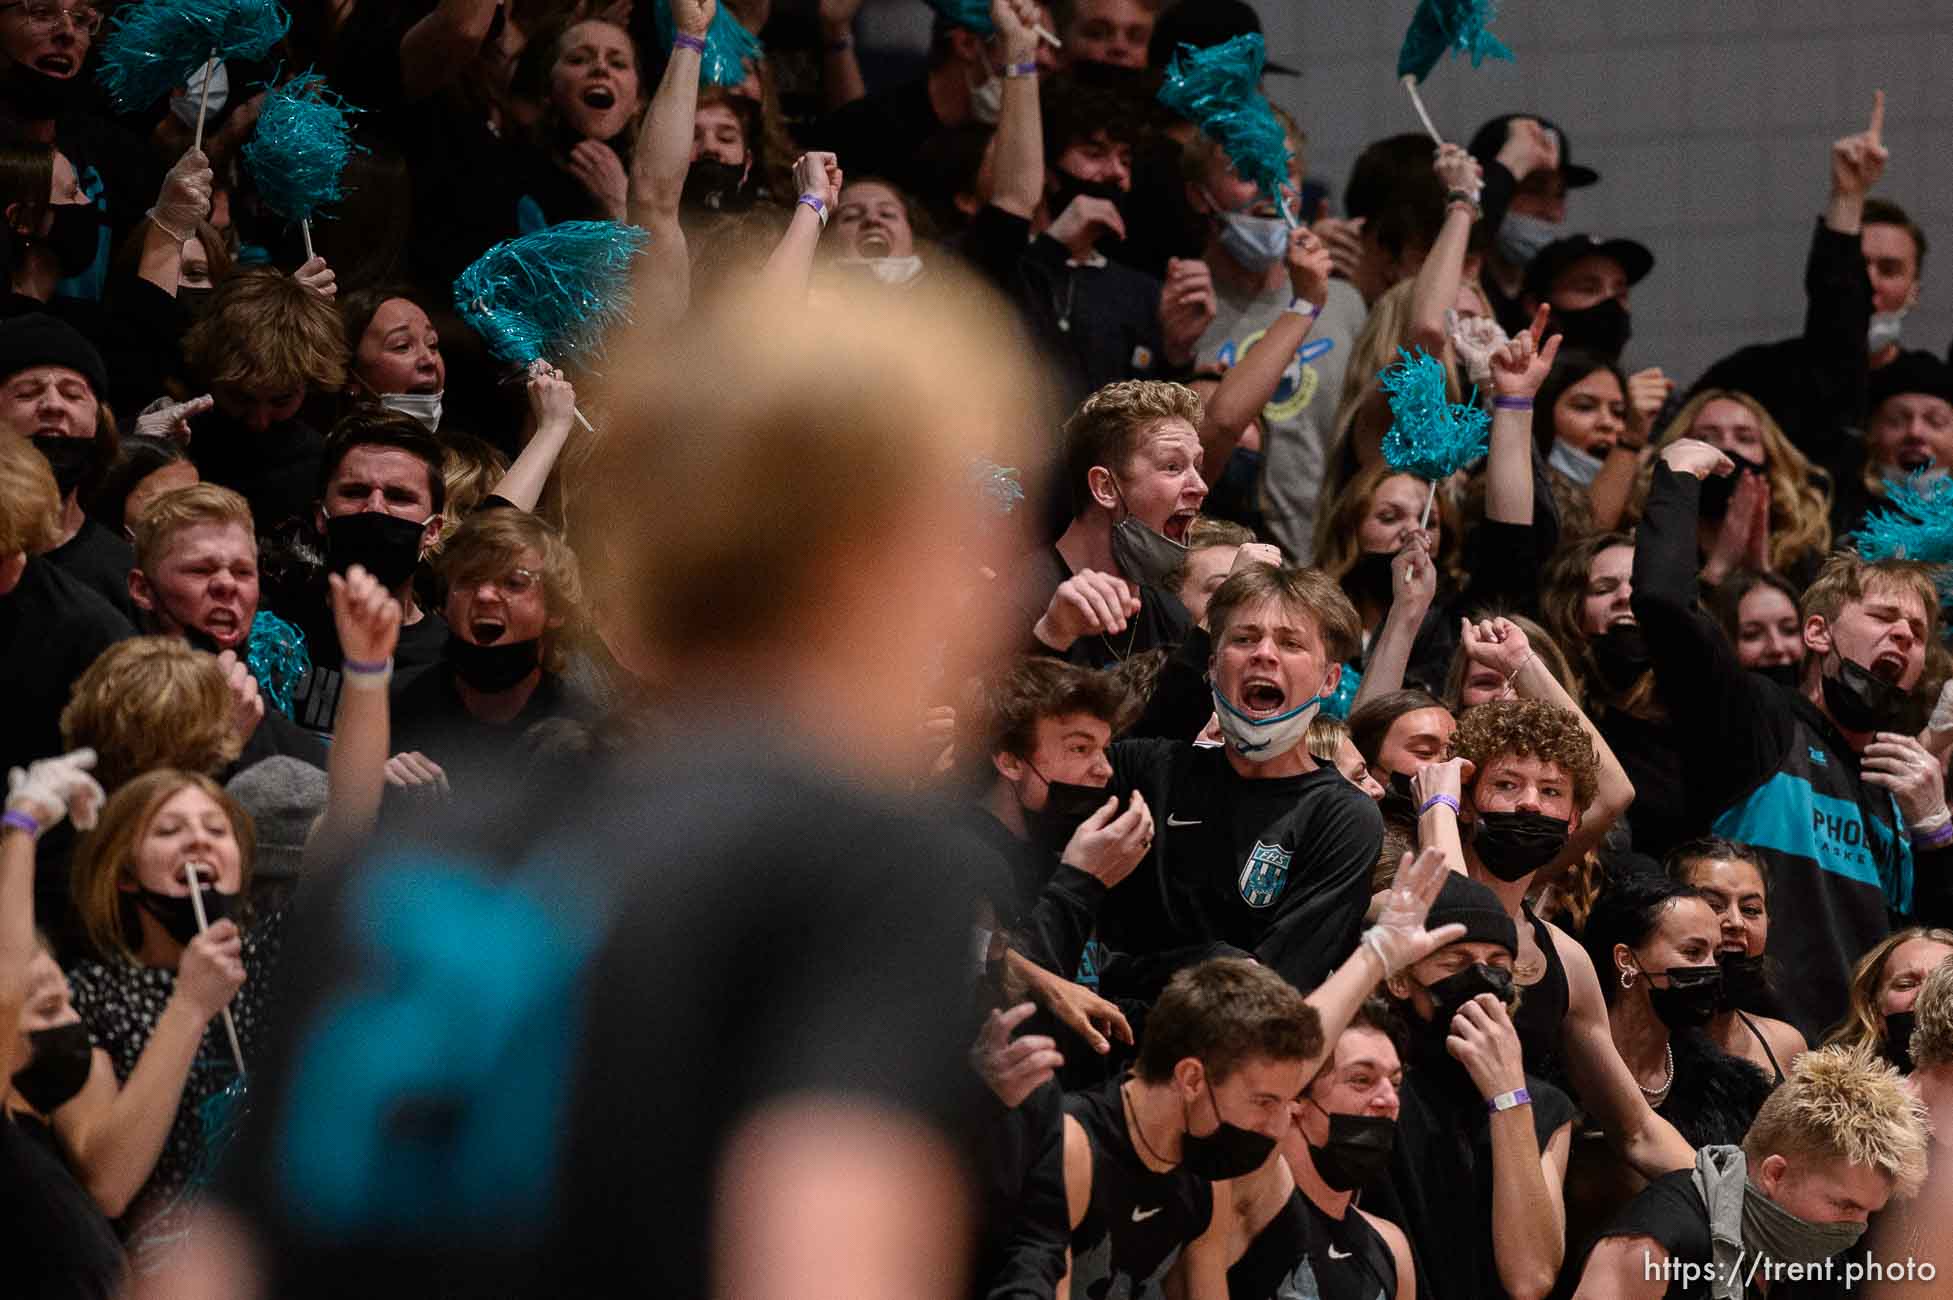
(1932, 1016)
(150, 702)
(1534, 729)
(1847, 1106)
(1106, 428)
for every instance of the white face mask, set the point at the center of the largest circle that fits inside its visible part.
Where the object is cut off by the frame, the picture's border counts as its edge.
(424, 407)
(895, 271)
(1260, 740)
(1884, 329)
(1574, 463)
(186, 106)
(1521, 237)
(987, 100)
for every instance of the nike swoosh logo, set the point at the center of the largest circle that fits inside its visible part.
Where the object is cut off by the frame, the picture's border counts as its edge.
(1140, 1216)
(1171, 820)
(1338, 1254)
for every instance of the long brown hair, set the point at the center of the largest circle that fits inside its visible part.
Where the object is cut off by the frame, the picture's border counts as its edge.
(1336, 528)
(105, 857)
(1863, 1026)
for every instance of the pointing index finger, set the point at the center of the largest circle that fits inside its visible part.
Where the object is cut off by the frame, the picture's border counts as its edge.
(1878, 116)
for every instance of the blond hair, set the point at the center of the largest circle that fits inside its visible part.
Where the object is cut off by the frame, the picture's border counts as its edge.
(1337, 547)
(838, 416)
(264, 332)
(106, 855)
(1863, 1027)
(1309, 592)
(1325, 739)
(1106, 429)
(1932, 1014)
(1848, 577)
(490, 541)
(150, 702)
(187, 507)
(30, 503)
(1800, 508)
(470, 469)
(1841, 1105)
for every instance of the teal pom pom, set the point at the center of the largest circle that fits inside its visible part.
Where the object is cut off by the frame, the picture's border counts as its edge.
(554, 293)
(1218, 89)
(154, 47)
(1001, 485)
(728, 45)
(1463, 26)
(1430, 435)
(1916, 524)
(276, 655)
(1343, 698)
(302, 145)
(971, 15)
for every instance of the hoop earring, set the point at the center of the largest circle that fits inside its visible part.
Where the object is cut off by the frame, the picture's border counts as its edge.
(1627, 979)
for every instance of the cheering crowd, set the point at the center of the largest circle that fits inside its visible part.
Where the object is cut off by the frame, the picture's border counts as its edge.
(952, 757)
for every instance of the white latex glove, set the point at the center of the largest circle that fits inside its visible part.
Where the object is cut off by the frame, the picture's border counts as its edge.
(1476, 338)
(51, 788)
(185, 197)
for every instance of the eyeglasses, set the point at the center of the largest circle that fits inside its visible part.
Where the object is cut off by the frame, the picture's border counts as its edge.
(516, 582)
(47, 14)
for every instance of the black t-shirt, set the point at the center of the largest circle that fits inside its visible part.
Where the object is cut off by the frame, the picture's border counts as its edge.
(276, 471)
(56, 1244)
(519, 1037)
(430, 718)
(1161, 624)
(100, 560)
(1279, 868)
(882, 134)
(1304, 1252)
(1026, 1224)
(1137, 1219)
(315, 701)
(1670, 1210)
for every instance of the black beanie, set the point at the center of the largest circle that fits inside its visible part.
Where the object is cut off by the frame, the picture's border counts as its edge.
(38, 339)
(1912, 372)
(1463, 901)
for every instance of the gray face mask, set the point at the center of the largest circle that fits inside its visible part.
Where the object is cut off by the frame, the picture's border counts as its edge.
(1884, 329)
(1574, 463)
(1257, 243)
(1521, 237)
(1146, 557)
(987, 100)
(1773, 1231)
(424, 407)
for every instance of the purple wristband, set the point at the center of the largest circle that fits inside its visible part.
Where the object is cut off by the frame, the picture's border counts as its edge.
(696, 44)
(366, 667)
(815, 202)
(1513, 403)
(20, 821)
(1934, 839)
(1025, 69)
(1509, 1100)
(1437, 799)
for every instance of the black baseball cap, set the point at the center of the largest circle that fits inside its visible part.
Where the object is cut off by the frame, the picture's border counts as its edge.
(1635, 259)
(1490, 138)
(1203, 24)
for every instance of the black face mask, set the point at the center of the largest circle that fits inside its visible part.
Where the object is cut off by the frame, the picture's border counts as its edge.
(194, 300)
(1693, 995)
(1358, 1149)
(1513, 845)
(62, 1057)
(1369, 579)
(714, 186)
(1898, 1040)
(1066, 806)
(75, 237)
(1430, 1059)
(1228, 1152)
(1788, 676)
(174, 912)
(1452, 992)
(386, 546)
(1859, 701)
(69, 458)
(1717, 489)
(1745, 982)
(37, 96)
(1397, 800)
(491, 668)
(1621, 655)
(1604, 328)
(1066, 187)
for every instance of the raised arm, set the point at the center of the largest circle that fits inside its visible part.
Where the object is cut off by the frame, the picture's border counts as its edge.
(1436, 289)
(1413, 586)
(841, 79)
(658, 166)
(818, 179)
(183, 201)
(368, 623)
(1527, 1189)
(1019, 156)
(38, 797)
(439, 46)
(1250, 384)
(552, 408)
(1518, 369)
(1499, 644)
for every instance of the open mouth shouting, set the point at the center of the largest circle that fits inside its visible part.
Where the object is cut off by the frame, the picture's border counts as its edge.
(487, 631)
(874, 242)
(1889, 667)
(225, 625)
(601, 97)
(1915, 456)
(1262, 697)
(57, 65)
(1176, 526)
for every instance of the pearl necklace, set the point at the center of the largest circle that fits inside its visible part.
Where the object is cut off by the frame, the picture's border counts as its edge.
(1656, 1096)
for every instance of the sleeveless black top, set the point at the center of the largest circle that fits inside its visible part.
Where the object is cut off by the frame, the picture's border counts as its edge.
(1303, 1254)
(1137, 1219)
(1542, 1009)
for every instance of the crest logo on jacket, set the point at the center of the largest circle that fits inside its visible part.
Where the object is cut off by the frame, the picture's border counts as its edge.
(1265, 875)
